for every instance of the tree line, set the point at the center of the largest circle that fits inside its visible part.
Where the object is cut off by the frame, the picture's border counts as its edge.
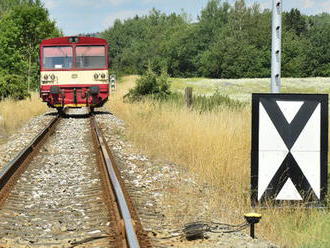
(227, 41)
(23, 25)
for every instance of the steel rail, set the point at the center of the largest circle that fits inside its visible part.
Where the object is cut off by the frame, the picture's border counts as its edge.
(131, 236)
(10, 173)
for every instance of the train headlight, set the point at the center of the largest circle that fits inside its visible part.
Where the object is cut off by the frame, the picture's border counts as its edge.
(103, 76)
(46, 77)
(96, 76)
(52, 77)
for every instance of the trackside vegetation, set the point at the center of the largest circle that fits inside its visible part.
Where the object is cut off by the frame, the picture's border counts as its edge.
(226, 41)
(206, 103)
(14, 114)
(211, 138)
(157, 87)
(216, 145)
(23, 25)
(150, 85)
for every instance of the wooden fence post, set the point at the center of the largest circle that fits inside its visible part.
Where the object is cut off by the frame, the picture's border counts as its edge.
(188, 96)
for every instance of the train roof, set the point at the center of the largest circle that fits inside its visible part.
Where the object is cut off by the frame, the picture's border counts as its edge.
(69, 40)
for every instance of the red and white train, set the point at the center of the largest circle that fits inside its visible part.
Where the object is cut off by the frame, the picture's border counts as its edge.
(74, 72)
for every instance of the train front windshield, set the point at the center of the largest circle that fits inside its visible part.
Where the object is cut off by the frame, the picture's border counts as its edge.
(90, 57)
(57, 57)
(87, 57)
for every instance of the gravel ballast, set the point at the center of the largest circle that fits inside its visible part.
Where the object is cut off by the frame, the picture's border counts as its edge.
(23, 137)
(166, 195)
(58, 201)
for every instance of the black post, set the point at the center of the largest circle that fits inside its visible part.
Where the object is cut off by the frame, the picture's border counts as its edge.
(252, 230)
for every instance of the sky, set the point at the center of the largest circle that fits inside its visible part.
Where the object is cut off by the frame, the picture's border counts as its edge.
(88, 16)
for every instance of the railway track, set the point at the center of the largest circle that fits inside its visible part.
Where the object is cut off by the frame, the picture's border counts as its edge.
(64, 190)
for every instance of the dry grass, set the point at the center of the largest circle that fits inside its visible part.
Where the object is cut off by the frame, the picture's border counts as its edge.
(216, 146)
(13, 114)
(241, 89)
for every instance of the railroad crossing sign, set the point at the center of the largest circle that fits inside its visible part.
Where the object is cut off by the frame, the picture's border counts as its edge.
(289, 148)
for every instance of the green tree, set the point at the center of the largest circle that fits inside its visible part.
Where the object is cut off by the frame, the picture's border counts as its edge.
(139, 41)
(213, 18)
(226, 41)
(22, 29)
(11, 85)
(240, 48)
(294, 54)
(318, 52)
(6, 5)
(295, 21)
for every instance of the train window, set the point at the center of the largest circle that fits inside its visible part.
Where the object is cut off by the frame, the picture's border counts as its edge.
(57, 57)
(90, 57)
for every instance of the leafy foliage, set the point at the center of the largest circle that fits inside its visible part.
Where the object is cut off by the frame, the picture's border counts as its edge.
(295, 21)
(23, 25)
(150, 84)
(227, 41)
(10, 85)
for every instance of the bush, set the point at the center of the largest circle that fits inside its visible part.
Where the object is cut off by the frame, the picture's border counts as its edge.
(12, 85)
(150, 84)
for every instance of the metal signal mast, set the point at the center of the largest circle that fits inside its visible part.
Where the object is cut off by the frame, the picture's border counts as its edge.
(276, 46)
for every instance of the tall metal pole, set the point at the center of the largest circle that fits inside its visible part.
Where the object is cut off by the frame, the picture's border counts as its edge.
(276, 46)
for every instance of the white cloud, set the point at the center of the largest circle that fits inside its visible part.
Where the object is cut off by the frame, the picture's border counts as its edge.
(325, 6)
(99, 3)
(300, 4)
(122, 15)
(308, 3)
(115, 2)
(265, 5)
(152, 1)
(49, 4)
(82, 3)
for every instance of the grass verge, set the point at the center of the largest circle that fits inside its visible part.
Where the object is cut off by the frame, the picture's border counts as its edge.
(216, 146)
(241, 89)
(14, 114)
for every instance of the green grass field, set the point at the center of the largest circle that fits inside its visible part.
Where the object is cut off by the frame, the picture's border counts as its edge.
(241, 89)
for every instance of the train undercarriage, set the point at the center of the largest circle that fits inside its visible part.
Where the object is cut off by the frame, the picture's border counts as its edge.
(75, 96)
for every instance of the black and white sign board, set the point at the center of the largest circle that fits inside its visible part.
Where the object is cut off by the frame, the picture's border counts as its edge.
(289, 148)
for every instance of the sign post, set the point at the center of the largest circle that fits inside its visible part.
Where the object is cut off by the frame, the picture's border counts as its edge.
(276, 46)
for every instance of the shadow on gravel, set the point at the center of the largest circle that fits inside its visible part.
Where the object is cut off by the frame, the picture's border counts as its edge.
(102, 113)
(76, 116)
(79, 116)
(51, 114)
